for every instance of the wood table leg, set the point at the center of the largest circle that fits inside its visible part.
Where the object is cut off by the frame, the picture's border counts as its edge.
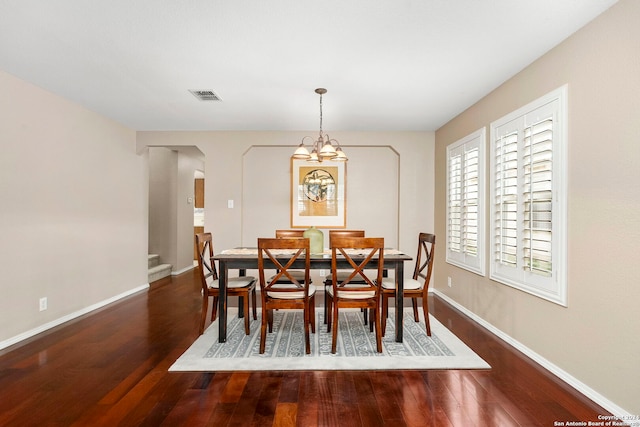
(399, 299)
(222, 301)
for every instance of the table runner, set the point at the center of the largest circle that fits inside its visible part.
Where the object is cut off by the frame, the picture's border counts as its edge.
(254, 251)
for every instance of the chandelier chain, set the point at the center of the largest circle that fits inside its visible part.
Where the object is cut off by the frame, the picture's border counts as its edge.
(320, 114)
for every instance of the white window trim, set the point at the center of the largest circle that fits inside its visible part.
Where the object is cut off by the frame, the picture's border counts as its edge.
(554, 288)
(475, 264)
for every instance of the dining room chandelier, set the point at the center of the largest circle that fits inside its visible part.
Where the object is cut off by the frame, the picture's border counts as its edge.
(322, 148)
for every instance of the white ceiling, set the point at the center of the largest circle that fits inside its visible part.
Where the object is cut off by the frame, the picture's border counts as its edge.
(387, 64)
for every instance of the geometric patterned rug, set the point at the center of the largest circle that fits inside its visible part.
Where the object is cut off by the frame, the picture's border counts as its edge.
(356, 348)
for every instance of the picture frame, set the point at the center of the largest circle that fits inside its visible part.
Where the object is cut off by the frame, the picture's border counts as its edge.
(318, 194)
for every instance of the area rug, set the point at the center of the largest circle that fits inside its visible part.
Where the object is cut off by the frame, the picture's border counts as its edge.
(356, 349)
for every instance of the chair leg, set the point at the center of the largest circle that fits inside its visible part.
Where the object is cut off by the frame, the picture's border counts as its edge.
(326, 304)
(307, 324)
(329, 317)
(255, 304)
(247, 329)
(365, 317)
(334, 336)
(425, 310)
(214, 309)
(372, 314)
(203, 316)
(376, 318)
(263, 329)
(384, 313)
(312, 313)
(414, 303)
(270, 321)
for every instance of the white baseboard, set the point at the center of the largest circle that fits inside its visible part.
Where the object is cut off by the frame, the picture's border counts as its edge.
(184, 270)
(21, 337)
(560, 373)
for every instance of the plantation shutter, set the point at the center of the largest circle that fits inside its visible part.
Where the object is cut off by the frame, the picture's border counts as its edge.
(537, 197)
(470, 197)
(506, 201)
(465, 194)
(528, 193)
(455, 202)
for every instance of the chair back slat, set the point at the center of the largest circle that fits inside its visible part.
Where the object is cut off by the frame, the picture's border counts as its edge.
(272, 250)
(283, 271)
(344, 233)
(368, 249)
(281, 234)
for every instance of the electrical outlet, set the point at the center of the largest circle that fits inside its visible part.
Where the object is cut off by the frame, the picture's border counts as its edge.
(449, 281)
(43, 304)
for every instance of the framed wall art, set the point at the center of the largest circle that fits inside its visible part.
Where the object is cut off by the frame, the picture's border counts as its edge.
(318, 194)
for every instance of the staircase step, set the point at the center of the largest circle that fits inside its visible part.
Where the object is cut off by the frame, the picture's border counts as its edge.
(154, 260)
(158, 272)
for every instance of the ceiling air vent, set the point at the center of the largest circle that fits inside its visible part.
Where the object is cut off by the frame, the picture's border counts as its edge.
(205, 95)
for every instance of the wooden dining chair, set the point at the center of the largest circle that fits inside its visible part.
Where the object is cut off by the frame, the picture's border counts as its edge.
(242, 286)
(292, 234)
(284, 291)
(361, 287)
(341, 274)
(416, 287)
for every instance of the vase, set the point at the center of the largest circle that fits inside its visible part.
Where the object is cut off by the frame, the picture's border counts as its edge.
(316, 240)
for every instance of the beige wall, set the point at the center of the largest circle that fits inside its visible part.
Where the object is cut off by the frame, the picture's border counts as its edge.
(163, 217)
(372, 195)
(187, 166)
(231, 170)
(73, 203)
(596, 339)
(171, 195)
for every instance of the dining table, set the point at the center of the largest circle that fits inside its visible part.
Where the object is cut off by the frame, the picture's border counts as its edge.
(245, 258)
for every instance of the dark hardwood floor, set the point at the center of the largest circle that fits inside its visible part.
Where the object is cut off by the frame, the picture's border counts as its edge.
(110, 368)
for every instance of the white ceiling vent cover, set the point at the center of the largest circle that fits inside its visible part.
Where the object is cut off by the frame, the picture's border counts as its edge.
(205, 95)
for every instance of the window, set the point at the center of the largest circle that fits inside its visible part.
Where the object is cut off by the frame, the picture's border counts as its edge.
(528, 197)
(465, 202)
